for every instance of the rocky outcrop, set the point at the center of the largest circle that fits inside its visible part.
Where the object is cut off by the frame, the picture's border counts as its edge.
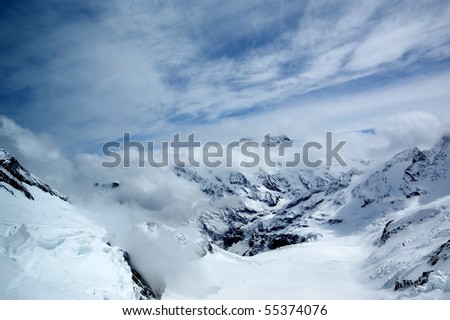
(275, 208)
(13, 174)
(145, 290)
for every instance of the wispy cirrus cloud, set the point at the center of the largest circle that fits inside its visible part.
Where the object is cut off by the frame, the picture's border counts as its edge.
(87, 71)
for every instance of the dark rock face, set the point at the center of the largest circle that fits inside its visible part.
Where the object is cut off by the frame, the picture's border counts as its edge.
(282, 240)
(215, 189)
(270, 199)
(264, 240)
(15, 184)
(440, 254)
(404, 284)
(273, 182)
(280, 139)
(393, 227)
(297, 201)
(115, 185)
(232, 236)
(239, 178)
(273, 208)
(386, 233)
(341, 182)
(146, 291)
(13, 174)
(334, 221)
(112, 185)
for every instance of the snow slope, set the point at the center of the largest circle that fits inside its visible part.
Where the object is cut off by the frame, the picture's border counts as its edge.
(326, 269)
(48, 250)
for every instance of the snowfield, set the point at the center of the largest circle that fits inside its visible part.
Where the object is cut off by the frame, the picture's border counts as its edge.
(327, 269)
(48, 250)
(337, 266)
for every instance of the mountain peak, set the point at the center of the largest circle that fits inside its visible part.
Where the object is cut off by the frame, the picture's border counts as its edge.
(277, 139)
(4, 155)
(444, 142)
(17, 177)
(280, 138)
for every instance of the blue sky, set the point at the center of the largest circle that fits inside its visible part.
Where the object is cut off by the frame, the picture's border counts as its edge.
(83, 72)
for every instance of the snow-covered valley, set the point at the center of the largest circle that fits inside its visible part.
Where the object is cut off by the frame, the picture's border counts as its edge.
(372, 231)
(326, 269)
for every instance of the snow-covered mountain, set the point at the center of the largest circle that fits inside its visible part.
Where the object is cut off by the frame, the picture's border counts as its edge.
(399, 213)
(49, 250)
(17, 177)
(364, 231)
(404, 208)
(264, 210)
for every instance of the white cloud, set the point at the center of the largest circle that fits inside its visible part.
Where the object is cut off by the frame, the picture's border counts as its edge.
(145, 195)
(37, 152)
(328, 63)
(412, 129)
(135, 67)
(27, 143)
